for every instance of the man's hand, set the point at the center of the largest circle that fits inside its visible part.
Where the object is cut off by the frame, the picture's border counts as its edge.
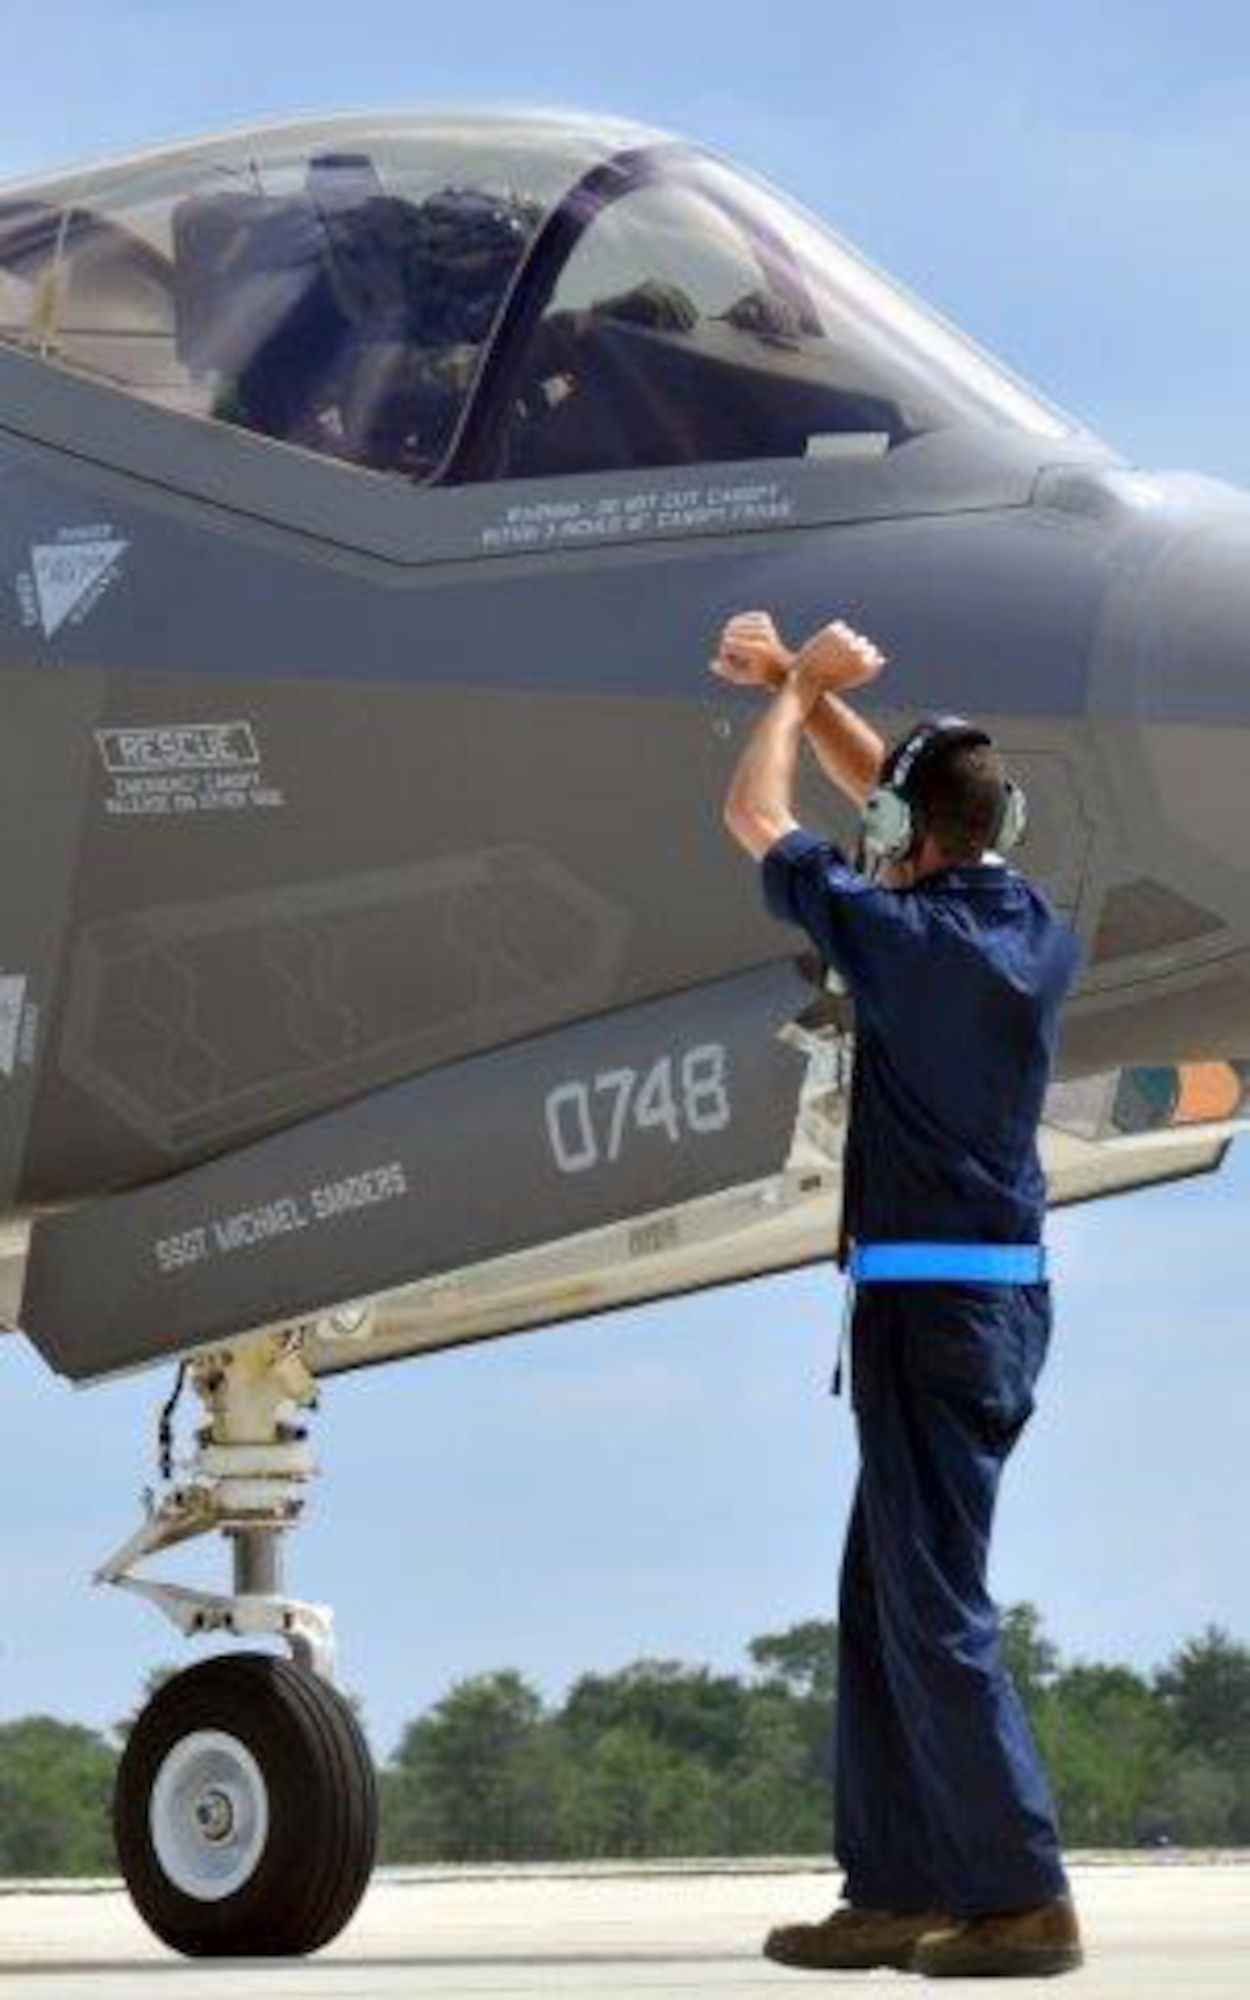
(751, 652)
(837, 658)
(807, 686)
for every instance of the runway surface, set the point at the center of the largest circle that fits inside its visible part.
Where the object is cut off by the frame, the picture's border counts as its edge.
(1166, 1929)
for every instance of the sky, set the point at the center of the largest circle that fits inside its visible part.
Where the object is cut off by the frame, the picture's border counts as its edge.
(1067, 183)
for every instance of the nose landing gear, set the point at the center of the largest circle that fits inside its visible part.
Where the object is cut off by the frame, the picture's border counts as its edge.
(245, 1812)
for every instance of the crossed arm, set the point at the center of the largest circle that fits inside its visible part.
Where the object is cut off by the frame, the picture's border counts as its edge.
(806, 700)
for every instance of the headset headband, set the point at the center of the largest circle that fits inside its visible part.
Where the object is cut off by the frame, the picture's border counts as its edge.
(924, 740)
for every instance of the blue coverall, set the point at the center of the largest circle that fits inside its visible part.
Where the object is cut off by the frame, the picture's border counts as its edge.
(941, 1801)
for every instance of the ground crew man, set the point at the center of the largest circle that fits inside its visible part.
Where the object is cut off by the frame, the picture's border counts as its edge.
(957, 967)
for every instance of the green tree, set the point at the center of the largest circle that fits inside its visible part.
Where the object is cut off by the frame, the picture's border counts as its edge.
(1206, 1687)
(801, 1663)
(1199, 1804)
(56, 1782)
(804, 1658)
(1107, 1744)
(778, 1797)
(474, 1780)
(627, 1793)
(1032, 1660)
(688, 1710)
(1205, 1691)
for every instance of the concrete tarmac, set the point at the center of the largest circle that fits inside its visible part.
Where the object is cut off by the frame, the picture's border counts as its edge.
(1173, 1928)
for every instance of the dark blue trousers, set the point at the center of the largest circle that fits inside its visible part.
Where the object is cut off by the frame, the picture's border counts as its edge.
(941, 1800)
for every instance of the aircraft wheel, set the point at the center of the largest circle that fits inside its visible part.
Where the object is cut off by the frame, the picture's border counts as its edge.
(245, 1812)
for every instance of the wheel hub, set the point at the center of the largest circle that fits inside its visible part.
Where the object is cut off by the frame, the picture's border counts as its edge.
(215, 1815)
(209, 1815)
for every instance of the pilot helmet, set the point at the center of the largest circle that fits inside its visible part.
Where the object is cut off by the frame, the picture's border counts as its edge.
(467, 245)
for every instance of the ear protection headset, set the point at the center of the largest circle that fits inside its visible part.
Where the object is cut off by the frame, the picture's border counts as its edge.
(891, 827)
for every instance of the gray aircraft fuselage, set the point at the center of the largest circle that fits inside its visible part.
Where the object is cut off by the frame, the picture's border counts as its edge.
(315, 785)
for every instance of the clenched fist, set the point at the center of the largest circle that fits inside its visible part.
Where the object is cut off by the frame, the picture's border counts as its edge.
(751, 652)
(837, 658)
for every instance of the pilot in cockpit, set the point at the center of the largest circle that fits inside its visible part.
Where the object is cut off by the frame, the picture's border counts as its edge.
(362, 314)
(405, 397)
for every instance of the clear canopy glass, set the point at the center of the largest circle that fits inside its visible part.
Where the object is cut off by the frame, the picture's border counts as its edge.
(477, 296)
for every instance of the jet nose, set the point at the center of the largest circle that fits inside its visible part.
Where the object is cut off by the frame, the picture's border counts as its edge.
(1165, 746)
(1175, 677)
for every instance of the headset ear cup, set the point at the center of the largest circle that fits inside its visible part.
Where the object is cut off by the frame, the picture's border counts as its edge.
(1015, 818)
(887, 824)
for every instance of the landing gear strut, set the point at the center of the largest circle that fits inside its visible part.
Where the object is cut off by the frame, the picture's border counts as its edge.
(245, 1812)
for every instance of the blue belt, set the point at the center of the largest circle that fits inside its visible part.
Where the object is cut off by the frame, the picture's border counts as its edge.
(969, 1263)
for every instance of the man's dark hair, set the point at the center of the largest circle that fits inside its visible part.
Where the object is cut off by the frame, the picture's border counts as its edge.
(958, 796)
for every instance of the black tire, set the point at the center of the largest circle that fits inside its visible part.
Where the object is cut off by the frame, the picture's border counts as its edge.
(309, 1810)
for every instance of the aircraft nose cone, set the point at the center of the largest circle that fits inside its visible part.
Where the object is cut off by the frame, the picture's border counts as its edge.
(1189, 693)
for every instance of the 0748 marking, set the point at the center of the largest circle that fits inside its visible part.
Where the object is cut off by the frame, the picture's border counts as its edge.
(589, 1119)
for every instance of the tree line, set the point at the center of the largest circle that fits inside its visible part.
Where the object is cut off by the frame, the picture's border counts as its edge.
(665, 1759)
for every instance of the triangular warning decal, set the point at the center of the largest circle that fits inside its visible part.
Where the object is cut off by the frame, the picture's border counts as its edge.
(65, 571)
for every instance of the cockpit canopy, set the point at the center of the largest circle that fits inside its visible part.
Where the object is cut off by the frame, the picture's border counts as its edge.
(487, 296)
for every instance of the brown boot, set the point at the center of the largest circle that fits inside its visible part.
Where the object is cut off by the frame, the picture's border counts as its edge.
(1027, 1944)
(852, 1940)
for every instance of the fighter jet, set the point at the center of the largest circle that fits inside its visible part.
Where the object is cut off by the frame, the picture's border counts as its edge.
(375, 974)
